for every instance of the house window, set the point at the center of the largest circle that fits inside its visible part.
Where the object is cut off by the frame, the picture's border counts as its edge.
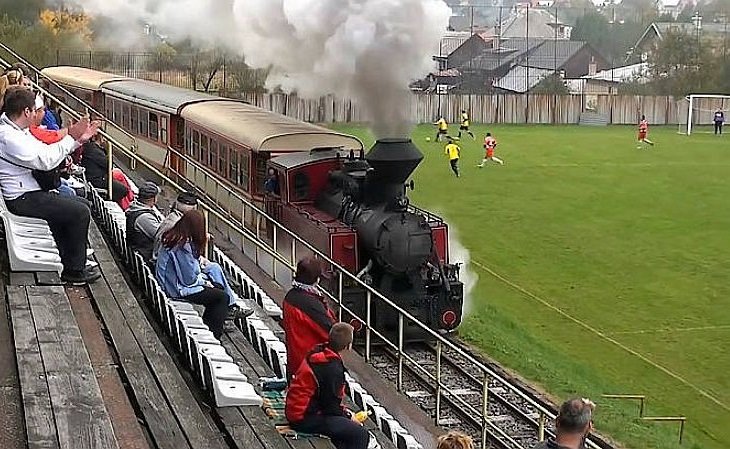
(153, 126)
(196, 145)
(163, 129)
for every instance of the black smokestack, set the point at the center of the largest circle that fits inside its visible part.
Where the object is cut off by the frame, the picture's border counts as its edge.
(392, 162)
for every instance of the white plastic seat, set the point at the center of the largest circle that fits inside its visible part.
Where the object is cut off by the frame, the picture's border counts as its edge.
(27, 257)
(229, 393)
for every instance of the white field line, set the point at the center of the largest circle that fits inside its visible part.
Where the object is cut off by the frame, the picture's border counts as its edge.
(603, 336)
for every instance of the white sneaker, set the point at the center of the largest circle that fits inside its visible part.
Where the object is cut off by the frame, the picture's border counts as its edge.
(89, 252)
(91, 264)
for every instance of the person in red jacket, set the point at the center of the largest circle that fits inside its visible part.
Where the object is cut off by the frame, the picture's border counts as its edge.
(307, 319)
(314, 399)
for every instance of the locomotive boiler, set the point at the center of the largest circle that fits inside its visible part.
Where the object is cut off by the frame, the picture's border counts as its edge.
(398, 252)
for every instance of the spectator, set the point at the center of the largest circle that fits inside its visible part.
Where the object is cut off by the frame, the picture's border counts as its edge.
(94, 161)
(307, 319)
(49, 118)
(178, 270)
(271, 185)
(718, 119)
(21, 154)
(455, 440)
(185, 201)
(41, 133)
(573, 424)
(143, 219)
(314, 399)
(55, 109)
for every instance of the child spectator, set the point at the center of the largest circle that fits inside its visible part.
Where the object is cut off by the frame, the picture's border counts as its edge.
(314, 399)
(455, 440)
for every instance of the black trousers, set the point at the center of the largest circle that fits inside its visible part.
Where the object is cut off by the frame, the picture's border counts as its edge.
(344, 433)
(455, 166)
(718, 127)
(68, 219)
(216, 308)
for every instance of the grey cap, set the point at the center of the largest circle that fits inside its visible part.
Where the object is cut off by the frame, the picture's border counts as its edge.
(148, 190)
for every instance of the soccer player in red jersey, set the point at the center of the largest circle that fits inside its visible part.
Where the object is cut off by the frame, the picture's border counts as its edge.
(643, 132)
(490, 143)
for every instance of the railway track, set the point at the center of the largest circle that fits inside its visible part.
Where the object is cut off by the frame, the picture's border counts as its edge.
(510, 421)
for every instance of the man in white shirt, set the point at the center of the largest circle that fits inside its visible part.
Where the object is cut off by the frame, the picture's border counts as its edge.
(20, 153)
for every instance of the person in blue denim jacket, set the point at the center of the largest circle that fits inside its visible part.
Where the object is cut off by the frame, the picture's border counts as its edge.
(179, 272)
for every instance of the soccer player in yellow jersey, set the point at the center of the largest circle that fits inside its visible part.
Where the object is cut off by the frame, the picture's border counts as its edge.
(465, 124)
(453, 152)
(442, 129)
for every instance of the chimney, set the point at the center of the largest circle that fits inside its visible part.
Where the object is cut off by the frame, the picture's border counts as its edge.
(592, 67)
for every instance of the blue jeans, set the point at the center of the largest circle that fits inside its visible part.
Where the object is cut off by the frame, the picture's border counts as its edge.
(65, 190)
(215, 274)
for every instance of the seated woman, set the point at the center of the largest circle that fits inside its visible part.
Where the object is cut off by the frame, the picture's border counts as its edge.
(179, 273)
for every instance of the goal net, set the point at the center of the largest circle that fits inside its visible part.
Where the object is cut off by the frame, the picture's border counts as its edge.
(696, 113)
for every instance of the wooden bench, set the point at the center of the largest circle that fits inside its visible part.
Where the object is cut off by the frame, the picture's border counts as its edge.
(62, 401)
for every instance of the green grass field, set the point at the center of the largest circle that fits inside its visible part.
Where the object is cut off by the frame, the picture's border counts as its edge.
(602, 268)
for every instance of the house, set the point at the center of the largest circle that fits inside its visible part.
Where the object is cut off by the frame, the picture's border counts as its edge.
(520, 64)
(674, 7)
(471, 48)
(608, 81)
(534, 23)
(649, 41)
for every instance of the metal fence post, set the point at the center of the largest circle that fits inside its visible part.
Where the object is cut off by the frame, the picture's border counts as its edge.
(110, 167)
(339, 295)
(399, 383)
(485, 409)
(368, 304)
(541, 427)
(438, 382)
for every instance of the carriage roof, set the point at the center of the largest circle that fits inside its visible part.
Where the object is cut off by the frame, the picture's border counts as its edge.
(81, 77)
(153, 95)
(261, 130)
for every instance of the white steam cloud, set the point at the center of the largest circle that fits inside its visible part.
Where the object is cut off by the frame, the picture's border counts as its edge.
(459, 254)
(367, 50)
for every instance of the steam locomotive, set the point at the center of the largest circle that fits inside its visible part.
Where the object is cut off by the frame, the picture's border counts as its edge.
(401, 250)
(352, 207)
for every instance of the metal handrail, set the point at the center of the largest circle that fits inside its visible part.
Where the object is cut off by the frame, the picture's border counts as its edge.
(62, 88)
(255, 238)
(543, 412)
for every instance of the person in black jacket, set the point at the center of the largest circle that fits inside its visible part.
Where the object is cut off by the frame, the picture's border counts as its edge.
(94, 160)
(314, 399)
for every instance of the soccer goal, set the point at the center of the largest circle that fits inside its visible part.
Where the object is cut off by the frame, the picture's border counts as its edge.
(696, 113)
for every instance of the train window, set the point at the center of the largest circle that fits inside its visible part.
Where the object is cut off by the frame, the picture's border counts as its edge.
(134, 120)
(204, 152)
(260, 173)
(179, 134)
(125, 116)
(163, 129)
(143, 122)
(108, 112)
(117, 111)
(213, 154)
(222, 161)
(196, 144)
(153, 126)
(301, 186)
(233, 159)
(243, 168)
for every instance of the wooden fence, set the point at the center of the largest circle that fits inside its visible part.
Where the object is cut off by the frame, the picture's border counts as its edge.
(536, 109)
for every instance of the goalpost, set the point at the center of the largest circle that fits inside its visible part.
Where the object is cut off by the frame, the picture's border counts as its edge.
(701, 110)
